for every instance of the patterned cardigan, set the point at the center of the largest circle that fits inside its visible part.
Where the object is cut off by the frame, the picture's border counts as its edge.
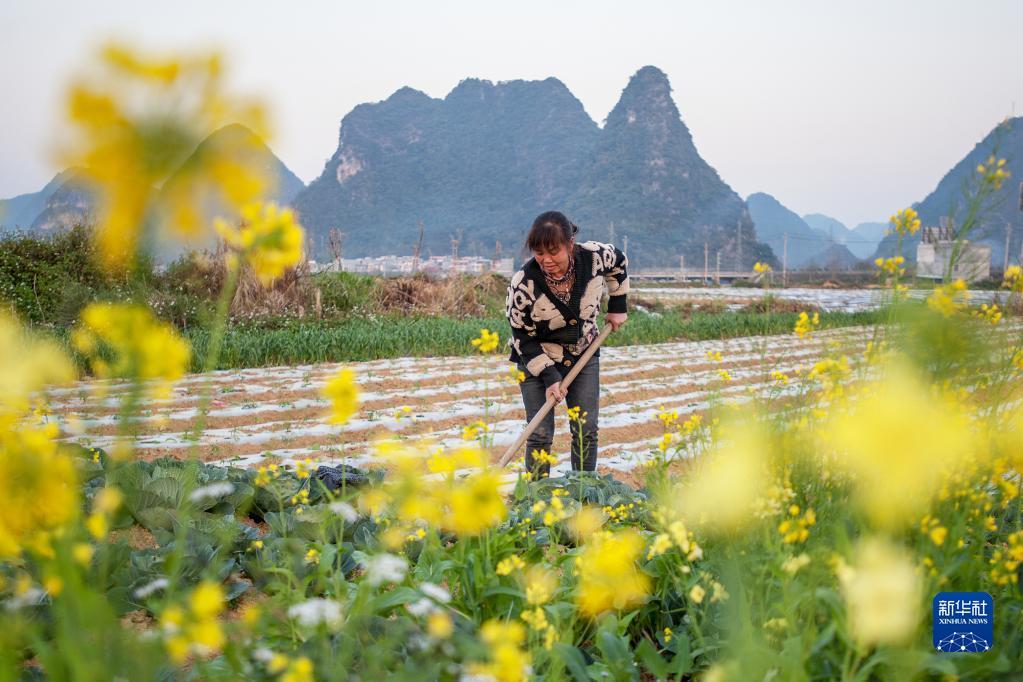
(542, 325)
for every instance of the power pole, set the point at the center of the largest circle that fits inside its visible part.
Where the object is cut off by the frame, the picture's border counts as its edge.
(454, 253)
(336, 240)
(625, 248)
(612, 232)
(682, 266)
(785, 261)
(417, 250)
(717, 269)
(1008, 237)
(706, 248)
(738, 256)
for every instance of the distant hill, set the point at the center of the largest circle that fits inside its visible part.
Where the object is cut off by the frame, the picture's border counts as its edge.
(245, 148)
(831, 228)
(646, 177)
(874, 231)
(73, 203)
(474, 167)
(67, 200)
(480, 164)
(21, 211)
(1006, 141)
(806, 247)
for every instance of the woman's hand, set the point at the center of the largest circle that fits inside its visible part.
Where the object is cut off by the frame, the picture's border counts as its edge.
(555, 392)
(616, 320)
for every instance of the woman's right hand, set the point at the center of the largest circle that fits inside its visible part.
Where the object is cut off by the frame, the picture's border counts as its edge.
(555, 392)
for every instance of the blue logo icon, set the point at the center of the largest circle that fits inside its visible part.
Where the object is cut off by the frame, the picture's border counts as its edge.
(964, 622)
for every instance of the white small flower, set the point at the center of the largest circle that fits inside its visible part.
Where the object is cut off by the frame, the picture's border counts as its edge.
(262, 654)
(421, 608)
(151, 587)
(385, 568)
(312, 612)
(435, 592)
(345, 511)
(211, 491)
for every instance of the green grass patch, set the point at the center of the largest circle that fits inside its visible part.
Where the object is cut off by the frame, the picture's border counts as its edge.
(305, 342)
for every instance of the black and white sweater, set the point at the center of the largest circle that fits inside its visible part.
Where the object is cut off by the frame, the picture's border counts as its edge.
(542, 325)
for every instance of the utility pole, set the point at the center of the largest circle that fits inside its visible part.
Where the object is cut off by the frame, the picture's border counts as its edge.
(454, 253)
(717, 269)
(416, 251)
(336, 240)
(612, 232)
(1008, 238)
(738, 239)
(682, 267)
(705, 252)
(785, 261)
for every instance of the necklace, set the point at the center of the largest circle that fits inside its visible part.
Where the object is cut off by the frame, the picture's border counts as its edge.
(562, 286)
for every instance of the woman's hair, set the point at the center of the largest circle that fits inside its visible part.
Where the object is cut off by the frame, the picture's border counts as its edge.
(550, 231)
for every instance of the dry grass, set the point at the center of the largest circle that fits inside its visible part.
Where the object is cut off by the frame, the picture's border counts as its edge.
(464, 296)
(292, 294)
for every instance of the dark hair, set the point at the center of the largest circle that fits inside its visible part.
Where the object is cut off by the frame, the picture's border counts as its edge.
(550, 230)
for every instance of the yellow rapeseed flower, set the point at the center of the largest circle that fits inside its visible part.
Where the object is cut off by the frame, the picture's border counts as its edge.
(989, 313)
(133, 128)
(207, 600)
(268, 238)
(609, 576)
(509, 565)
(585, 522)
(198, 630)
(439, 625)
(806, 325)
(896, 470)
(27, 365)
(508, 662)
(540, 584)
(882, 593)
(1013, 278)
(476, 504)
(905, 222)
(39, 488)
(722, 492)
(993, 172)
(487, 341)
(343, 393)
(949, 299)
(127, 341)
(299, 670)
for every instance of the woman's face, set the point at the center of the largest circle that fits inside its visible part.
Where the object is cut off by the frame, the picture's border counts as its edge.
(554, 260)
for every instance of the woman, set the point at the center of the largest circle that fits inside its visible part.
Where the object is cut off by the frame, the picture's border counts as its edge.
(552, 306)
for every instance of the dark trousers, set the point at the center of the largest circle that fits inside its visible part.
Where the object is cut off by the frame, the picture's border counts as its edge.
(584, 392)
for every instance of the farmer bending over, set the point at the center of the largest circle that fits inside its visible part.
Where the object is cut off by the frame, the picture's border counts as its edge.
(552, 306)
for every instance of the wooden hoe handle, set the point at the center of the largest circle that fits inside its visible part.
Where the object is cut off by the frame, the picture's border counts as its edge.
(547, 406)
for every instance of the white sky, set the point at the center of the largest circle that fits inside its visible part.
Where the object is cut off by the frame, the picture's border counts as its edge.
(849, 108)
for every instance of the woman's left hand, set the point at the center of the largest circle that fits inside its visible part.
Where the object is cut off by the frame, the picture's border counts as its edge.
(616, 320)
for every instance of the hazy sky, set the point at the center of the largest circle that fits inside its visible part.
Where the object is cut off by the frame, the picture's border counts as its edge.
(850, 108)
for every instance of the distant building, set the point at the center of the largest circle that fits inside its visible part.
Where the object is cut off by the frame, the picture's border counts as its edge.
(935, 249)
(437, 266)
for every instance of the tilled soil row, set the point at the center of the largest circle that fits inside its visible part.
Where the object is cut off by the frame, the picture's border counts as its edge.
(277, 412)
(262, 395)
(639, 390)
